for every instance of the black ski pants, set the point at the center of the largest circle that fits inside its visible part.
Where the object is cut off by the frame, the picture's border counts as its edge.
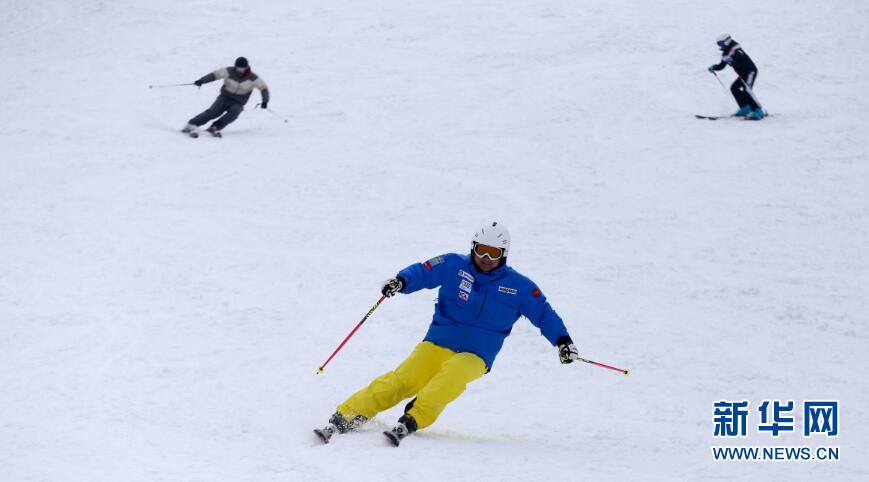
(741, 90)
(232, 109)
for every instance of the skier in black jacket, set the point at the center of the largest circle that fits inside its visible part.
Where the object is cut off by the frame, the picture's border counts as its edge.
(733, 55)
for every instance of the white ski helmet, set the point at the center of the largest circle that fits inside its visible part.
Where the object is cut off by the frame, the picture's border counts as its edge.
(723, 40)
(493, 234)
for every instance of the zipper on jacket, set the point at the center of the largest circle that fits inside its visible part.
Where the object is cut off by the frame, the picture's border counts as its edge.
(483, 304)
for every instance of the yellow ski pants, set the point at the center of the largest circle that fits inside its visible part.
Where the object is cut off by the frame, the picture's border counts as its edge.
(436, 375)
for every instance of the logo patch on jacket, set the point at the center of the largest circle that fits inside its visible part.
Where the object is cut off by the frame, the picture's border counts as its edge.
(509, 291)
(465, 286)
(463, 295)
(536, 293)
(433, 262)
(466, 275)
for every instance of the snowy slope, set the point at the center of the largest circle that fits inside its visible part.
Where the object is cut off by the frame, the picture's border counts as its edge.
(164, 302)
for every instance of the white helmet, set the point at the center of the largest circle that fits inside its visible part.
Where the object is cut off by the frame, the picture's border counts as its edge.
(493, 234)
(723, 40)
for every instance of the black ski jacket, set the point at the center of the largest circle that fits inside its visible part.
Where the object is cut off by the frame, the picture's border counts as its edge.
(738, 59)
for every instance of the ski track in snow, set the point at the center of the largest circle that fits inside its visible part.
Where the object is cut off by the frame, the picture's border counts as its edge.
(165, 301)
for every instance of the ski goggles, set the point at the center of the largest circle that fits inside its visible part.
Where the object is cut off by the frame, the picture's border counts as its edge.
(486, 251)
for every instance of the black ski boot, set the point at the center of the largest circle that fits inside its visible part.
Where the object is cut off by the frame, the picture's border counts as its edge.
(339, 424)
(190, 130)
(406, 426)
(213, 130)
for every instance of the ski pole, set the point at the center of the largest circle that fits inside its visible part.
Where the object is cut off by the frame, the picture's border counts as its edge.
(323, 366)
(719, 81)
(726, 92)
(623, 370)
(273, 113)
(163, 86)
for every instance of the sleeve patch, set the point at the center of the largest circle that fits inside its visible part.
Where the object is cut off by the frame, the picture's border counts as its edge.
(435, 261)
(427, 265)
(536, 293)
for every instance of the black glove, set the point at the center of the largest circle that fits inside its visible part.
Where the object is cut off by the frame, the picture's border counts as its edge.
(264, 105)
(567, 351)
(198, 83)
(712, 68)
(392, 286)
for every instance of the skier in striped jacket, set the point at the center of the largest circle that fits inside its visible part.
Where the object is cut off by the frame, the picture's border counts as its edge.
(238, 83)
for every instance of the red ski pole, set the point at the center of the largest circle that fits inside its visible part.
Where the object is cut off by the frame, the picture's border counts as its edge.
(323, 366)
(623, 370)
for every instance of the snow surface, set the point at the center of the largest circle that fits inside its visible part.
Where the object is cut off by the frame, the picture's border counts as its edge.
(164, 302)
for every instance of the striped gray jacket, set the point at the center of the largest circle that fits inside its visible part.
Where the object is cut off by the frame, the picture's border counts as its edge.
(238, 86)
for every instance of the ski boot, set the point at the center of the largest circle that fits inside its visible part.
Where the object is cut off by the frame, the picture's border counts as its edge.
(339, 424)
(190, 130)
(743, 111)
(213, 130)
(756, 114)
(406, 426)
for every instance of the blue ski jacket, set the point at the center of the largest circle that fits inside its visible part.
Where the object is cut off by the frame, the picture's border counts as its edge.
(475, 311)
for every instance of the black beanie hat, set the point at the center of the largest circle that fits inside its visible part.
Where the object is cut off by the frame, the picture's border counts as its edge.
(241, 62)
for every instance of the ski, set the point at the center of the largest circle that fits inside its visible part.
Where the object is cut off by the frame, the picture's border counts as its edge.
(393, 438)
(736, 117)
(398, 432)
(324, 434)
(716, 117)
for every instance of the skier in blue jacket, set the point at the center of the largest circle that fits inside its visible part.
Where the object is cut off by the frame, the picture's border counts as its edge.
(479, 300)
